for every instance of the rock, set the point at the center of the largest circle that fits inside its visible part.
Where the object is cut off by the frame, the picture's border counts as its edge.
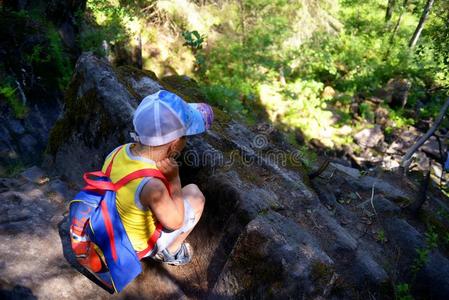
(35, 81)
(393, 192)
(398, 89)
(200, 154)
(342, 241)
(258, 201)
(92, 86)
(18, 292)
(34, 175)
(367, 268)
(431, 148)
(143, 82)
(433, 279)
(381, 206)
(59, 191)
(369, 137)
(325, 194)
(264, 230)
(32, 261)
(28, 144)
(347, 170)
(396, 147)
(16, 127)
(435, 271)
(381, 116)
(273, 256)
(404, 235)
(390, 163)
(328, 93)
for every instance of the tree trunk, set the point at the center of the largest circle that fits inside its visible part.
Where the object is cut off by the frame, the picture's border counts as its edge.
(422, 20)
(396, 28)
(407, 159)
(390, 8)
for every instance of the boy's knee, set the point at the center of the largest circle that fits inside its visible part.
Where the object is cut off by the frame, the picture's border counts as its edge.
(194, 195)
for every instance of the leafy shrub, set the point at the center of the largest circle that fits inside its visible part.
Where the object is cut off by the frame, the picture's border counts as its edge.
(223, 97)
(366, 112)
(59, 58)
(8, 93)
(402, 291)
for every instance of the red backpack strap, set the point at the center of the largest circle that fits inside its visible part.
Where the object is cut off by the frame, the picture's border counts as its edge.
(107, 185)
(155, 173)
(140, 174)
(99, 185)
(151, 241)
(109, 168)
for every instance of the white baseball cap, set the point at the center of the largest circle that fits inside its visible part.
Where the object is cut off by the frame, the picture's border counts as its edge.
(163, 117)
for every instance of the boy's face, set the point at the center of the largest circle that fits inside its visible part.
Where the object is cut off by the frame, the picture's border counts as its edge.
(177, 145)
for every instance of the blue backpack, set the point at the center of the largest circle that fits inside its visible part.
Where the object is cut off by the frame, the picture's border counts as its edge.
(98, 237)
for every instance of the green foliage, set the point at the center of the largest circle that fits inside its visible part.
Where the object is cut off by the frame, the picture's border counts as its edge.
(308, 157)
(381, 236)
(223, 97)
(37, 56)
(402, 292)
(398, 118)
(421, 260)
(193, 39)
(105, 21)
(431, 238)
(46, 54)
(9, 94)
(366, 112)
(12, 169)
(195, 42)
(271, 54)
(59, 58)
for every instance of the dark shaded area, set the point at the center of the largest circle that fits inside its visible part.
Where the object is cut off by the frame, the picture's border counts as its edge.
(37, 52)
(18, 292)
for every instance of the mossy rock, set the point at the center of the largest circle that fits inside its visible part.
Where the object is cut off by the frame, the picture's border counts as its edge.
(185, 86)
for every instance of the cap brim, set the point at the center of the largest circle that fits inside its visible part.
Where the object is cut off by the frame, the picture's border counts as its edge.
(202, 116)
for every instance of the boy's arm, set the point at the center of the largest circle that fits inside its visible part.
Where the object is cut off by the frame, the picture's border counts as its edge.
(169, 211)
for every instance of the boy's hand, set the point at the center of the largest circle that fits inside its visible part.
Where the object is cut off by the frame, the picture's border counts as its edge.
(169, 167)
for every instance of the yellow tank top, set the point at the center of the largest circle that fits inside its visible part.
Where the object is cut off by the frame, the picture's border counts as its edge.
(138, 221)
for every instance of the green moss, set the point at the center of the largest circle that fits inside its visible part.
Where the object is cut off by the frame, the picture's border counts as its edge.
(83, 114)
(125, 72)
(184, 86)
(12, 169)
(321, 273)
(63, 127)
(130, 71)
(9, 94)
(437, 225)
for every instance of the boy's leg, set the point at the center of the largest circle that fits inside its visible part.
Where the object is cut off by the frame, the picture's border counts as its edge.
(195, 197)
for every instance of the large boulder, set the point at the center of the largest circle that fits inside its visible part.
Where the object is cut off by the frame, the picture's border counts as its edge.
(265, 232)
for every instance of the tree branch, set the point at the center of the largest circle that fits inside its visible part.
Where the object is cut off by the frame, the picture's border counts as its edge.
(407, 159)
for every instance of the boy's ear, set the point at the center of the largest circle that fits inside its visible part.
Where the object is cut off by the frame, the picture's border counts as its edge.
(174, 144)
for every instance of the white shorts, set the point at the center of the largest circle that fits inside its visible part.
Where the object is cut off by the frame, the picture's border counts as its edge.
(167, 237)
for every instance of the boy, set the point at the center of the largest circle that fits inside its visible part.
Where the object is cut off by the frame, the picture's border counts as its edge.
(157, 220)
